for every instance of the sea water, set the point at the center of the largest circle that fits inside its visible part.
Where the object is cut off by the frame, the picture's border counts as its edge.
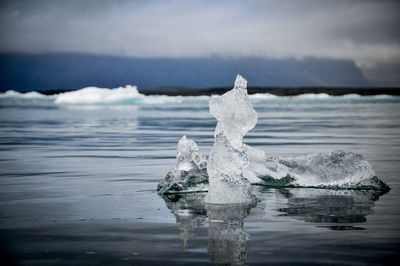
(78, 183)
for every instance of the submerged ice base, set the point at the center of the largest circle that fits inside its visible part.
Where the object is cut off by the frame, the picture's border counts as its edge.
(232, 165)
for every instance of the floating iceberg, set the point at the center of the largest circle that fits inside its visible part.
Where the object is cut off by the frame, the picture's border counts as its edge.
(189, 173)
(232, 165)
(338, 169)
(228, 158)
(261, 169)
(94, 95)
(129, 95)
(10, 94)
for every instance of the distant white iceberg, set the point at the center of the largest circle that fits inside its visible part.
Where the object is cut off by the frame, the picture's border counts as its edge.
(10, 94)
(94, 95)
(128, 95)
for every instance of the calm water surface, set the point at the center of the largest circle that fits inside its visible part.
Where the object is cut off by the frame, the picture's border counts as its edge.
(78, 186)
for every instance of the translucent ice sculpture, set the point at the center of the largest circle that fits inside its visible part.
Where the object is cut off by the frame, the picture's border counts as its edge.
(261, 168)
(337, 169)
(232, 165)
(189, 173)
(228, 158)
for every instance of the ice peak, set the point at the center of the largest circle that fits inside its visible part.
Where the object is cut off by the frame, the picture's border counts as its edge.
(240, 82)
(190, 171)
(228, 157)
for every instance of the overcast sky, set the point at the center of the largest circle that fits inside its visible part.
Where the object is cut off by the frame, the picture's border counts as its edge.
(366, 31)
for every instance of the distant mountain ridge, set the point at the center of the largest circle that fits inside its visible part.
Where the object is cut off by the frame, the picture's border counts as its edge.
(27, 72)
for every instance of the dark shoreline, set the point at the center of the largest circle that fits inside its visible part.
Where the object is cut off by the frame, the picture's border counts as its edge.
(279, 91)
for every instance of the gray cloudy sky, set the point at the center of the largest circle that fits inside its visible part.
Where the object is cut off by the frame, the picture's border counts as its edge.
(366, 31)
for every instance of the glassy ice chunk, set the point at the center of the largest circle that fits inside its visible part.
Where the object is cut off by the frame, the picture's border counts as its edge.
(232, 165)
(228, 157)
(189, 173)
(261, 168)
(338, 169)
(234, 112)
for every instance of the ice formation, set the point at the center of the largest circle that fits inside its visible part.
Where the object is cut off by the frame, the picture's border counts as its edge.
(94, 95)
(10, 94)
(228, 158)
(129, 95)
(338, 169)
(189, 173)
(232, 165)
(261, 168)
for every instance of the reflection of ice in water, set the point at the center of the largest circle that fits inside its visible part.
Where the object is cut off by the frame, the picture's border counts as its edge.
(189, 212)
(328, 206)
(227, 242)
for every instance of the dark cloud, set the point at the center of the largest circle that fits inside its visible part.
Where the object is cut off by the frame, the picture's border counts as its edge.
(366, 31)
